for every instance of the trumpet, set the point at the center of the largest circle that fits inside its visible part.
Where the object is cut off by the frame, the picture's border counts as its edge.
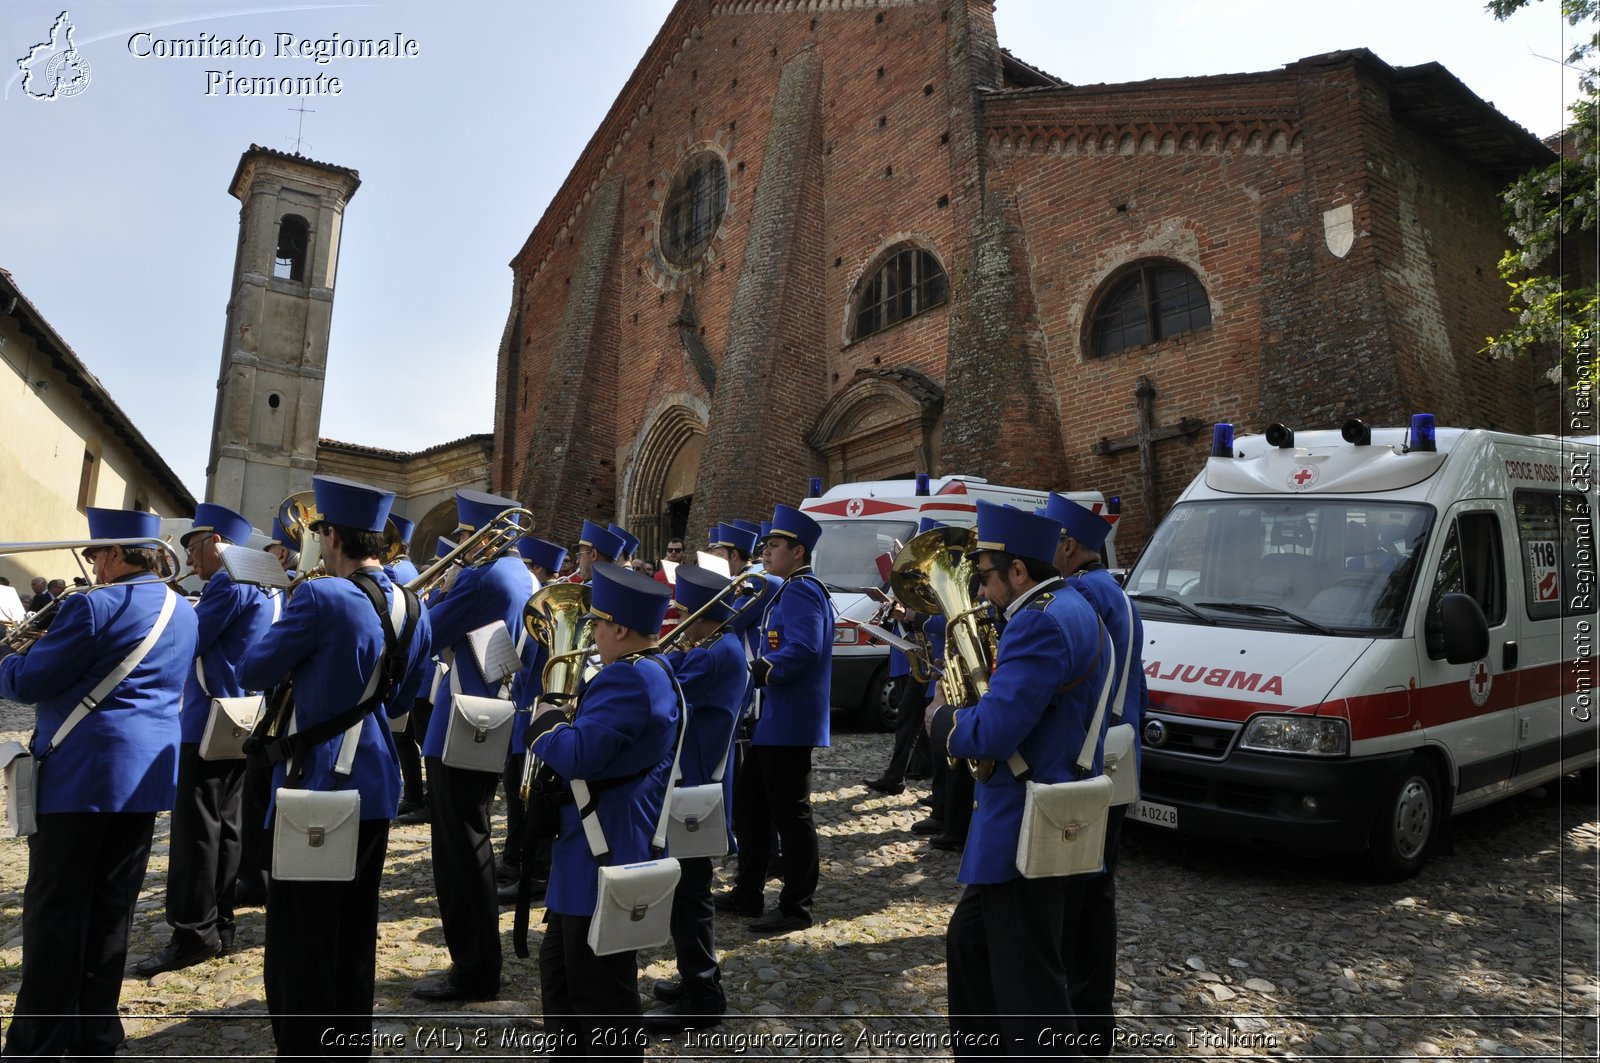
(485, 544)
(934, 575)
(746, 584)
(21, 636)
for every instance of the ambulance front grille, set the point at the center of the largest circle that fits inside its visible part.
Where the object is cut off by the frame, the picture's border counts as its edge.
(1188, 736)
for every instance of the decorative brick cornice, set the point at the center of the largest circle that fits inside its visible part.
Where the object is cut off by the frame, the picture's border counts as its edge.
(1263, 136)
(800, 7)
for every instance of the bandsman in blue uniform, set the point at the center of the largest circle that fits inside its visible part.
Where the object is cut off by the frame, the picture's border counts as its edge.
(491, 592)
(1005, 942)
(792, 676)
(1092, 965)
(402, 570)
(909, 700)
(712, 672)
(285, 548)
(416, 806)
(206, 838)
(596, 542)
(322, 937)
(621, 743)
(630, 543)
(543, 560)
(100, 788)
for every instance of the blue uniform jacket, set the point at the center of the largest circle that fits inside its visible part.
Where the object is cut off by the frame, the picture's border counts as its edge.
(123, 757)
(1054, 639)
(798, 644)
(231, 618)
(481, 595)
(526, 690)
(746, 625)
(402, 571)
(626, 728)
(1113, 606)
(330, 640)
(713, 678)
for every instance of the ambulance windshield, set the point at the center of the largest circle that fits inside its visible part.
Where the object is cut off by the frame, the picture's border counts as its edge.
(847, 553)
(1344, 566)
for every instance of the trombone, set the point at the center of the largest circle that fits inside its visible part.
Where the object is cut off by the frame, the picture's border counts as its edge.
(746, 584)
(20, 636)
(485, 544)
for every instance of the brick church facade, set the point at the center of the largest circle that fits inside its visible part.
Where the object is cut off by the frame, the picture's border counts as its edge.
(858, 239)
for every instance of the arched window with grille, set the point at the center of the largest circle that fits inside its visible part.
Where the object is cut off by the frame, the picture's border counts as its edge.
(1146, 302)
(907, 282)
(694, 208)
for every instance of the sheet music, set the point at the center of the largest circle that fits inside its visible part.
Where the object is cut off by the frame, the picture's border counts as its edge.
(245, 565)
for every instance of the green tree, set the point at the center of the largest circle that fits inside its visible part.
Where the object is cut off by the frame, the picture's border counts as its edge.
(1546, 211)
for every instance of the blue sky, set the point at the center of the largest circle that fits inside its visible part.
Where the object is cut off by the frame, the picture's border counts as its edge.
(118, 225)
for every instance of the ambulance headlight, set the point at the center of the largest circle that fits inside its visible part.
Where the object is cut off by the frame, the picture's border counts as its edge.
(845, 634)
(1311, 736)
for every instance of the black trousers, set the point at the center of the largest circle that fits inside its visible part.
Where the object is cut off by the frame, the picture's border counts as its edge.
(955, 807)
(84, 874)
(1006, 972)
(511, 783)
(206, 846)
(255, 843)
(590, 1002)
(694, 935)
(463, 874)
(321, 955)
(773, 792)
(1092, 953)
(908, 725)
(407, 747)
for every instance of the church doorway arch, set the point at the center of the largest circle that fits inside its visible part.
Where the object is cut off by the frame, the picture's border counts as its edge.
(658, 487)
(885, 424)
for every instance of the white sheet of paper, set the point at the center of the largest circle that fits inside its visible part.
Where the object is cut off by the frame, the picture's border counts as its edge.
(713, 563)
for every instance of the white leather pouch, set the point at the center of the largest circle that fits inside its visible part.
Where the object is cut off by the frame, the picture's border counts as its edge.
(479, 734)
(314, 835)
(1121, 766)
(633, 909)
(696, 823)
(21, 775)
(1064, 828)
(228, 724)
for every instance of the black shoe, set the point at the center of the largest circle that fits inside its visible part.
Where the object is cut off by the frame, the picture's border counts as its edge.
(409, 805)
(930, 825)
(440, 988)
(884, 786)
(174, 958)
(950, 843)
(667, 991)
(415, 816)
(780, 922)
(505, 873)
(734, 903)
(685, 1015)
(249, 893)
(928, 800)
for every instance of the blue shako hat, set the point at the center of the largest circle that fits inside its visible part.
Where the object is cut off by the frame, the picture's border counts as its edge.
(442, 547)
(928, 524)
(630, 541)
(122, 524)
(542, 552)
(696, 586)
(620, 595)
(1016, 531)
(766, 530)
(715, 535)
(746, 525)
(1089, 528)
(474, 509)
(212, 519)
(606, 542)
(738, 538)
(350, 503)
(793, 524)
(404, 527)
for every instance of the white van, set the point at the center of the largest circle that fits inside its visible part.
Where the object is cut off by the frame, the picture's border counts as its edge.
(863, 520)
(1352, 635)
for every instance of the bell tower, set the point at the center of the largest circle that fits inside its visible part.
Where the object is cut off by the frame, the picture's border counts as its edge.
(280, 310)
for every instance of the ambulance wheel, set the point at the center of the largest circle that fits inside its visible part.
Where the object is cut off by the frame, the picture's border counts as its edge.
(878, 709)
(1408, 822)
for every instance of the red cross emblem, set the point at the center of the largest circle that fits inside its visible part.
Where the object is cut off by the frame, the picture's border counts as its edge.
(854, 507)
(1479, 683)
(1303, 477)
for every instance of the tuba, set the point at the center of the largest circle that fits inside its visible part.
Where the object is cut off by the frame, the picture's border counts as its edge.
(558, 617)
(933, 574)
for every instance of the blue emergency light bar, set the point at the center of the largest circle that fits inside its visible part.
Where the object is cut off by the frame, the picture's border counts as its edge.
(1421, 438)
(1222, 440)
(816, 487)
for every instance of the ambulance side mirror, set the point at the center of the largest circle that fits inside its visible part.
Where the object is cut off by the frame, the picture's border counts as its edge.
(1457, 630)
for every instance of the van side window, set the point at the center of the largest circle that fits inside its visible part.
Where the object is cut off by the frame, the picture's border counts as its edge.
(1473, 564)
(1555, 530)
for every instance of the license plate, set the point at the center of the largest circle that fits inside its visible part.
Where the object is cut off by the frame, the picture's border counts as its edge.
(1148, 812)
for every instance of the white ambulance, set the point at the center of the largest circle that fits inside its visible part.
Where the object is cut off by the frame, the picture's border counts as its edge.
(1352, 635)
(863, 520)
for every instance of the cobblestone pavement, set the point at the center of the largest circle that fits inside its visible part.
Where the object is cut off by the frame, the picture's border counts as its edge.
(1490, 952)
